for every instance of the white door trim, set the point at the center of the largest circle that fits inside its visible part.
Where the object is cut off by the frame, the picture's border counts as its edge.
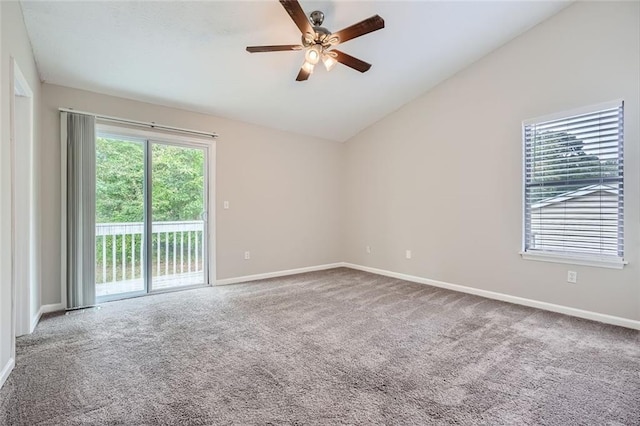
(23, 222)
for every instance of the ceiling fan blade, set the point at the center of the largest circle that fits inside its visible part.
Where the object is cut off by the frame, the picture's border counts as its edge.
(303, 75)
(361, 28)
(351, 62)
(294, 10)
(278, 48)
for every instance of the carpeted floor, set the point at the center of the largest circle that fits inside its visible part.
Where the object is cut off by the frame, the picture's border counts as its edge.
(331, 347)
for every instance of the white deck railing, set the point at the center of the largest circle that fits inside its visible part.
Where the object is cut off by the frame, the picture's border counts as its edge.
(176, 249)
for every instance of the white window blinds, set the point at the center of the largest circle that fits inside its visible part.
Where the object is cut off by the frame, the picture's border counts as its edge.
(573, 184)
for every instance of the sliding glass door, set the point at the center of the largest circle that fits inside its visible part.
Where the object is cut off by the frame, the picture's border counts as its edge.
(120, 184)
(178, 211)
(151, 229)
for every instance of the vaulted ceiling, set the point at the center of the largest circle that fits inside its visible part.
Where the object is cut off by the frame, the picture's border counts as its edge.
(191, 55)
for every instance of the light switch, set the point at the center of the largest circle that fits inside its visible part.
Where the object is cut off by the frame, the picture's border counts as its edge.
(226, 205)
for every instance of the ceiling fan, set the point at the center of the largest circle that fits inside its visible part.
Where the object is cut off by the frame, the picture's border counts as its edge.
(319, 42)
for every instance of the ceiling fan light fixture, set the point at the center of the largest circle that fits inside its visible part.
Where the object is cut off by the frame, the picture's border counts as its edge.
(331, 41)
(314, 53)
(308, 67)
(329, 61)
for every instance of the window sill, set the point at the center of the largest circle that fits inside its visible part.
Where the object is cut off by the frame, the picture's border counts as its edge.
(612, 263)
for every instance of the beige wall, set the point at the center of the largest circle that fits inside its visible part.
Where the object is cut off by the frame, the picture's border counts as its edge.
(284, 189)
(442, 176)
(15, 44)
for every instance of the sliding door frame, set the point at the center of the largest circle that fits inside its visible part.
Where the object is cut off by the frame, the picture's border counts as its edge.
(148, 137)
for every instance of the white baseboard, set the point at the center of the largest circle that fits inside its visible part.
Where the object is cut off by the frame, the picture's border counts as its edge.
(35, 320)
(44, 309)
(6, 370)
(604, 318)
(227, 281)
(54, 307)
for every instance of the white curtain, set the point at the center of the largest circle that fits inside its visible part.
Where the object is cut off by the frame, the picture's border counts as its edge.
(81, 208)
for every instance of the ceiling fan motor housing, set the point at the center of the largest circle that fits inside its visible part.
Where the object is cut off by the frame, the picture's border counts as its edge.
(317, 18)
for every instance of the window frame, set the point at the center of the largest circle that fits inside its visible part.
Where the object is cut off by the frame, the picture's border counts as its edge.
(586, 259)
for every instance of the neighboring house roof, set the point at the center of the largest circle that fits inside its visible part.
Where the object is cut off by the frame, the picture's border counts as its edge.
(575, 194)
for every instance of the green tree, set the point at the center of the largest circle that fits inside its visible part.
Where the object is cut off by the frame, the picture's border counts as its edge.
(119, 181)
(177, 182)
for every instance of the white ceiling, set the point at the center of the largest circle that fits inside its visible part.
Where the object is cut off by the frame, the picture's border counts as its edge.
(191, 55)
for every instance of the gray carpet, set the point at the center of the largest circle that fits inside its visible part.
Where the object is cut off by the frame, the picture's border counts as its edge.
(332, 347)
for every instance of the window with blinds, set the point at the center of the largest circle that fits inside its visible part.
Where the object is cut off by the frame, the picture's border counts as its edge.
(573, 184)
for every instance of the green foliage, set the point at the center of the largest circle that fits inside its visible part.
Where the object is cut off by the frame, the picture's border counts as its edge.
(119, 181)
(178, 179)
(177, 182)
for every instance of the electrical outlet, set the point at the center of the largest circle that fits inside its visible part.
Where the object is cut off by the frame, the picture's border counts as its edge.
(368, 249)
(572, 277)
(407, 254)
(247, 255)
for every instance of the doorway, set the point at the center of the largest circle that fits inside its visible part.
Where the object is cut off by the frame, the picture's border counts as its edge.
(151, 214)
